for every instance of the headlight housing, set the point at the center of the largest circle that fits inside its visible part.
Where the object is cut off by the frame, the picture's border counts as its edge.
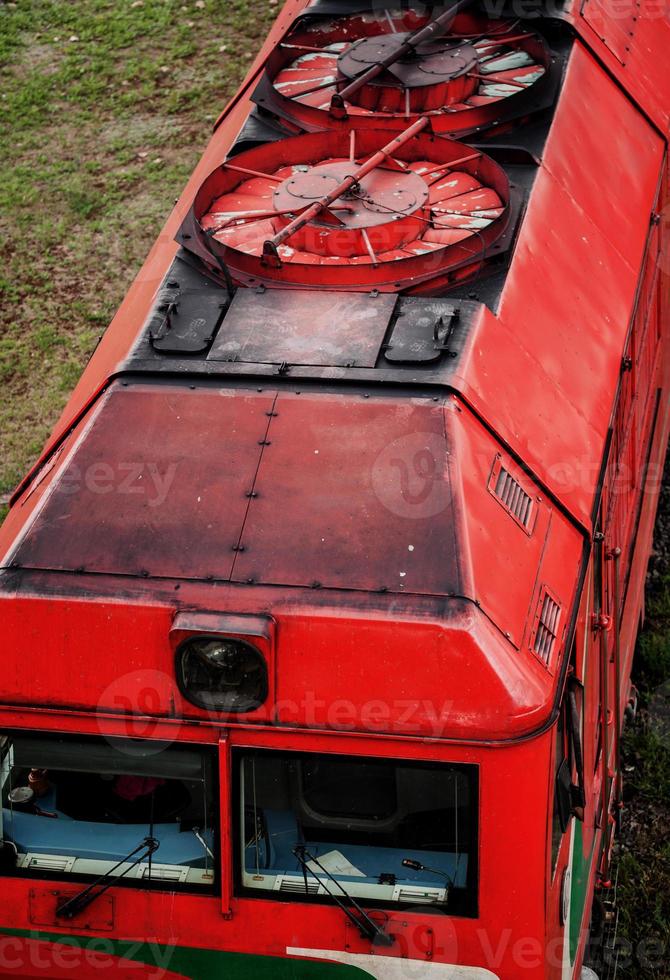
(222, 674)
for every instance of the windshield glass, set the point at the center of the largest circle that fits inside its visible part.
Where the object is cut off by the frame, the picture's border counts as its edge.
(399, 832)
(78, 807)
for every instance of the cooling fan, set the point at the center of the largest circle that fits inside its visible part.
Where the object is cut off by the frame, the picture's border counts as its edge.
(352, 211)
(466, 71)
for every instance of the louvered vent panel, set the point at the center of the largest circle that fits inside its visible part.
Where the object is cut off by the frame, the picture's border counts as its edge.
(547, 627)
(50, 862)
(297, 886)
(419, 895)
(512, 495)
(159, 873)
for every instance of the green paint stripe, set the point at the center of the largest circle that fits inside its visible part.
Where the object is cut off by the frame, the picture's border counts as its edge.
(581, 873)
(201, 964)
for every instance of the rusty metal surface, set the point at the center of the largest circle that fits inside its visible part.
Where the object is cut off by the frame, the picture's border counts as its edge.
(354, 493)
(333, 329)
(44, 901)
(347, 491)
(156, 487)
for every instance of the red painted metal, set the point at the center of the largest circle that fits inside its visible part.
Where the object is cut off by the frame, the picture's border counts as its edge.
(131, 486)
(365, 521)
(431, 208)
(572, 285)
(355, 71)
(629, 44)
(406, 49)
(202, 926)
(305, 187)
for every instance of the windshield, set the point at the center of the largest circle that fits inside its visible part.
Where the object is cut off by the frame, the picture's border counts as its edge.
(398, 832)
(79, 806)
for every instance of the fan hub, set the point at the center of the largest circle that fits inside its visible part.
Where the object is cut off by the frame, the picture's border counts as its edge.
(433, 62)
(436, 74)
(386, 201)
(381, 197)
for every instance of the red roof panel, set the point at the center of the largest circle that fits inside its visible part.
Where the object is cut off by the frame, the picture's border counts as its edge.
(156, 485)
(354, 493)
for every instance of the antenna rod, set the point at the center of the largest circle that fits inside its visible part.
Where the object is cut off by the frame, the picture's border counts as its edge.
(435, 28)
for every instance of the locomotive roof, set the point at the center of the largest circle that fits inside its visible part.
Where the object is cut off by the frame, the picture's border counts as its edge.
(519, 371)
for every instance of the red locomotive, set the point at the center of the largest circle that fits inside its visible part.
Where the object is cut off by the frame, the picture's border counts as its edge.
(319, 607)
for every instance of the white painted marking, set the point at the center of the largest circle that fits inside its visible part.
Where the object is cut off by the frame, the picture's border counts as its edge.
(567, 964)
(392, 968)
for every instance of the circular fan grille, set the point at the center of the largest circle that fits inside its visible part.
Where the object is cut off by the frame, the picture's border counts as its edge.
(348, 210)
(465, 78)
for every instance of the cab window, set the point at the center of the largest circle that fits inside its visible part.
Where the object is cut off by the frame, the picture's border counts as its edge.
(387, 832)
(84, 807)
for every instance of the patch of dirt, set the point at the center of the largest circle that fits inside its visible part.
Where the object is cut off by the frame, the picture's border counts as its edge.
(140, 129)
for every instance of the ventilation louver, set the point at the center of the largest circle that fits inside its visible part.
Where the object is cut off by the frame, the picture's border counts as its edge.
(546, 632)
(514, 498)
(52, 863)
(159, 872)
(296, 886)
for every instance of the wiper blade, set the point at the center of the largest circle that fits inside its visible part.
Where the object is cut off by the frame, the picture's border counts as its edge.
(367, 927)
(208, 851)
(83, 899)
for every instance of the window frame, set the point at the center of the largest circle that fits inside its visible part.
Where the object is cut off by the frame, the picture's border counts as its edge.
(466, 907)
(562, 754)
(209, 756)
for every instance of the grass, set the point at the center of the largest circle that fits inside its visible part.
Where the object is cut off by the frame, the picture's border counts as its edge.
(105, 106)
(644, 849)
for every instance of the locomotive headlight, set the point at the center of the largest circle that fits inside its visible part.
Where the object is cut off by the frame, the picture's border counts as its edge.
(222, 674)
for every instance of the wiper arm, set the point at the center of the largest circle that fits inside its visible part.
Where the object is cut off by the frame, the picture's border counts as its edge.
(208, 850)
(83, 899)
(367, 927)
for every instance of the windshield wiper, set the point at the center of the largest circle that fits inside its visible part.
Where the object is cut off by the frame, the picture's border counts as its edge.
(208, 851)
(367, 927)
(83, 899)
